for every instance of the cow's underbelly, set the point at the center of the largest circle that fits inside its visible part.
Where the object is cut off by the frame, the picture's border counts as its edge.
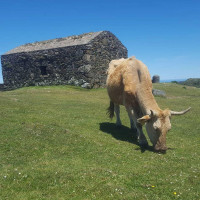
(127, 98)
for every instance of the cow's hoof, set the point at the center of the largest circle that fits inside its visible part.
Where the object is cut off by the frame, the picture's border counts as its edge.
(133, 129)
(135, 137)
(143, 143)
(118, 125)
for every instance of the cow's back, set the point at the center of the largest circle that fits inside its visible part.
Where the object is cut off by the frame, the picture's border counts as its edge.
(127, 77)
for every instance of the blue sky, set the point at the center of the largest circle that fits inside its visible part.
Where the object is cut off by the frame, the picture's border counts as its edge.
(164, 34)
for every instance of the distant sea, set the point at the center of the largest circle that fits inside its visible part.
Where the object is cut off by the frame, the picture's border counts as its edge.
(170, 80)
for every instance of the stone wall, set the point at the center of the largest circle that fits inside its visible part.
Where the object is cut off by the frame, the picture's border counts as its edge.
(106, 48)
(2, 88)
(81, 65)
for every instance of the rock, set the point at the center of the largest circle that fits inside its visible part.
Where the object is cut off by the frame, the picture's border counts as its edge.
(156, 79)
(86, 85)
(158, 93)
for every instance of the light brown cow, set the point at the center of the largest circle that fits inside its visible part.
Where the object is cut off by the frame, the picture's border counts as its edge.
(129, 84)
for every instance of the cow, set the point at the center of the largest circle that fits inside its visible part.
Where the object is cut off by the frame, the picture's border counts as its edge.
(129, 84)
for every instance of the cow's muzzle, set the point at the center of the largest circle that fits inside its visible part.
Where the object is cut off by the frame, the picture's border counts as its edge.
(160, 148)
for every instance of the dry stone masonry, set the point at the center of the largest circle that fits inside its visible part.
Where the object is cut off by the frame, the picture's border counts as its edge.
(77, 60)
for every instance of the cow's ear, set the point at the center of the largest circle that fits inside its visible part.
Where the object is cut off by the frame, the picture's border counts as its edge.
(143, 119)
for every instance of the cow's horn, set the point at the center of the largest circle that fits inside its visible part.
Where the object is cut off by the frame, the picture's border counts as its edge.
(180, 113)
(153, 113)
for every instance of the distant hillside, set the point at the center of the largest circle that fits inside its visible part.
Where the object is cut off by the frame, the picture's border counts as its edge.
(192, 82)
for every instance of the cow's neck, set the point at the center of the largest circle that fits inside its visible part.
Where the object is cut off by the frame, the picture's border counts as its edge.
(147, 101)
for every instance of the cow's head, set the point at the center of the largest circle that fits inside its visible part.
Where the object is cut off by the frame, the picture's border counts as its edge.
(157, 126)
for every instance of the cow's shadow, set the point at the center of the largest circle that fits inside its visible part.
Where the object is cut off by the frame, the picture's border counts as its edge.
(123, 133)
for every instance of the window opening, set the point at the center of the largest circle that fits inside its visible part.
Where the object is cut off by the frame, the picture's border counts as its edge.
(43, 70)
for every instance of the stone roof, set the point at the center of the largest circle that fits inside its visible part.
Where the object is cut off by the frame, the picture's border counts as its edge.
(56, 43)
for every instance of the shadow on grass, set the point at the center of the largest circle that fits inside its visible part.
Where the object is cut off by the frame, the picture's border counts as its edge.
(124, 134)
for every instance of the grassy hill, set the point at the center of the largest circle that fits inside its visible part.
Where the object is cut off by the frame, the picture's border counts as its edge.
(192, 82)
(58, 143)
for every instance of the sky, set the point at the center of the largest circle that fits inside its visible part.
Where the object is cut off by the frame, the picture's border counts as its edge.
(164, 34)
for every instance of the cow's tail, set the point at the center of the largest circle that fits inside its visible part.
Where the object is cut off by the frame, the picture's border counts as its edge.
(110, 110)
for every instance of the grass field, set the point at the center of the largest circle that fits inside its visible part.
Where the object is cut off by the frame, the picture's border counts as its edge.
(57, 143)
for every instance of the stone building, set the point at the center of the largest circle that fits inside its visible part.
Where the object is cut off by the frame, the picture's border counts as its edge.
(77, 60)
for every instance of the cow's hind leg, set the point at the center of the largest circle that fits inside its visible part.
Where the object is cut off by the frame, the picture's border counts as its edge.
(117, 112)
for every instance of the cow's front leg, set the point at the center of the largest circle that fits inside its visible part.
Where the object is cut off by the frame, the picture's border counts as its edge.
(117, 112)
(131, 117)
(141, 137)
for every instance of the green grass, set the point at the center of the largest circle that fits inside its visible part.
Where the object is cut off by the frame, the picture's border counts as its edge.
(57, 143)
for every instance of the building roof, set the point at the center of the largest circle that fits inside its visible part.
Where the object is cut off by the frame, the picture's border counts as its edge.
(56, 43)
